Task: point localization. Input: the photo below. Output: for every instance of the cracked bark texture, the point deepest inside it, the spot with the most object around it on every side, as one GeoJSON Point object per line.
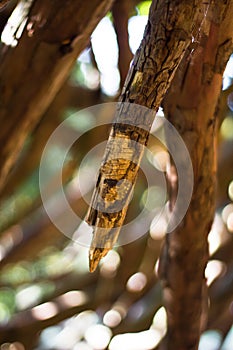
{"type": "Point", "coordinates": [33, 72]}
{"type": "Point", "coordinates": [167, 35]}
{"type": "Point", "coordinates": [190, 106]}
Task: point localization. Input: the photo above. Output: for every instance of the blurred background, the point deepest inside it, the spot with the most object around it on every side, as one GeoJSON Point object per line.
{"type": "Point", "coordinates": [48, 298]}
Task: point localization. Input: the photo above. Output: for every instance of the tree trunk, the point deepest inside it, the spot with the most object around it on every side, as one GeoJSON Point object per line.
{"type": "Point", "coordinates": [190, 106]}
{"type": "Point", "coordinates": [34, 71]}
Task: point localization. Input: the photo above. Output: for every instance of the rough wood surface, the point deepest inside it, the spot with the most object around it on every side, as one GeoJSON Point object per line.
{"type": "Point", "coordinates": [190, 106]}
{"type": "Point", "coordinates": [167, 35]}
{"type": "Point", "coordinates": [34, 71]}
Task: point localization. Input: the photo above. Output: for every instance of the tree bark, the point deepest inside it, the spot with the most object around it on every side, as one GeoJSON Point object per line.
{"type": "Point", "coordinates": [3, 3]}
{"type": "Point", "coordinates": [190, 106]}
{"type": "Point", "coordinates": [34, 71]}
{"type": "Point", "coordinates": [166, 37]}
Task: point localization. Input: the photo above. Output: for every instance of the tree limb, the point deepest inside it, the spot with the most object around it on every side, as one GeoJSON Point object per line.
{"type": "Point", "coordinates": [120, 11]}
{"type": "Point", "coordinates": [166, 37]}
{"type": "Point", "coordinates": [190, 106]}
{"type": "Point", "coordinates": [34, 71]}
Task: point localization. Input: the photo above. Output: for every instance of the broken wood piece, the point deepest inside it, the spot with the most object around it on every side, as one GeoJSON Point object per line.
{"type": "Point", "coordinates": [117, 176]}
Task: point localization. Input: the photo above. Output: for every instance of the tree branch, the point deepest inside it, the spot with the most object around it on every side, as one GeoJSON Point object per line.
{"type": "Point", "coordinates": [120, 11]}
{"type": "Point", "coordinates": [34, 71]}
{"type": "Point", "coordinates": [190, 106]}
{"type": "Point", "coordinates": [166, 37]}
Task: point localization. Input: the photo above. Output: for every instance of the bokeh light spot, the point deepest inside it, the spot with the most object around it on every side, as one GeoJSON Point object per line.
{"type": "Point", "coordinates": [45, 311]}
{"type": "Point", "coordinates": [230, 190]}
{"type": "Point", "coordinates": [112, 318]}
{"type": "Point", "coordinates": [98, 336]}
{"type": "Point", "coordinates": [227, 210]}
{"type": "Point", "coordinates": [136, 282]}
{"type": "Point", "coordinates": [213, 270]}
{"type": "Point", "coordinates": [230, 222]}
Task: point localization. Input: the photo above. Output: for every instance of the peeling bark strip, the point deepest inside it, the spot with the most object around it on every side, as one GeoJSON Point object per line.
{"type": "Point", "coordinates": [166, 37]}
{"type": "Point", "coordinates": [190, 106]}
{"type": "Point", "coordinates": [33, 72]}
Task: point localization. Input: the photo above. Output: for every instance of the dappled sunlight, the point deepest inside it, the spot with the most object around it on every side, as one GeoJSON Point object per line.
{"type": "Point", "coordinates": [28, 297]}
{"type": "Point", "coordinates": [159, 322]}
{"type": "Point", "coordinates": [112, 318]}
{"type": "Point", "coordinates": [73, 298]}
{"type": "Point", "coordinates": [70, 333]}
{"type": "Point", "coordinates": [136, 29]}
{"type": "Point", "coordinates": [137, 282]}
{"type": "Point", "coordinates": [230, 222]}
{"type": "Point", "coordinates": [210, 340]}
{"type": "Point", "coordinates": [158, 157]}
{"type": "Point", "coordinates": [104, 40]}
{"type": "Point", "coordinates": [44, 311]}
{"type": "Point", "coordinates": [216, 235]}
{"type": "Point", "coordinates": [230, 190]}
{"type": "Point", "coordinates": [228, 74]}
{"type": "Point", "coordinates": [153, 198]}
{"type": "Point", "coordinates": [58, 263]}
{"type": "Point", "coordinates": [227, 216]}
{"type": "Point", "coordinates": [16, 273]}
{"type": "Point", "coordinates": [121, 307]}
{"type": "Point", "coordinates": [145, 340]}
{"type": "Point", "coordinates": [98, 336]}
{"type": "Point", "coordinates": [91, 76]}
{"type": "Point", "coordinates": [16, 23]}
{"type": "Point", "coordinates": [110, 264]}
{"type": "Point", "coordinates": [7, 304]}
{"type": "Point", "coordinates": [230, 103]}
{"type": "Point", "coordinates": [226, 129]}
{"type": "Point", "coordinates": [82, 345]}
{"type": "Point", "coordinates": [214, 269]}
{"type": "Point", "coordinates": [49, 300]}
{"type": "Point", "coordinates": [227, 344]}
{"type": "Point", "coordinates": [83, 233]}
{"type": "Point", "coordinates": [156, 268]}
{"type": "Point", "coordinates": [227, 210]}
{"type": "Point", "coordinates": [158, 227]}
{"type": "Point", "coordinates": [9, 239]}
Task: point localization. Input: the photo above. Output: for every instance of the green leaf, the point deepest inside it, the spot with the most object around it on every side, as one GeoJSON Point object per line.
{"type": "Point", "coordinates": [143, 8]}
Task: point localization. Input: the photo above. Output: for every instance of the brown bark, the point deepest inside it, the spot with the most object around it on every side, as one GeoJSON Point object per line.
{"type": "Point", "coordinates": [3, 3]}
{"type": "Point", "coordinates": [190, 106]}
{"type": "Point", "coordinates": [34, 71]}
{"type": "Point", "coordinates": [166, 37]}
